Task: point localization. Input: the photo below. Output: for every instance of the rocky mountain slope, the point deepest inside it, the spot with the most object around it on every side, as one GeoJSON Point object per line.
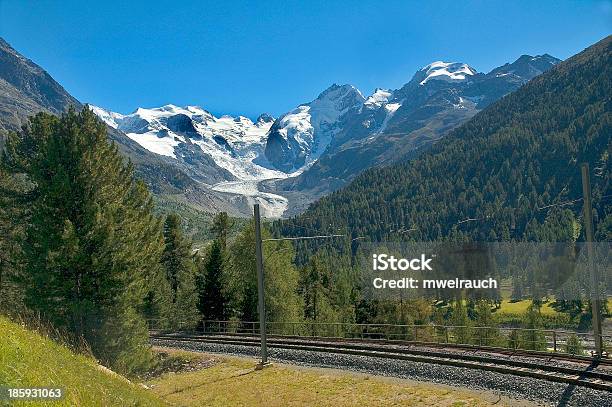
{"type": "Point", "coordinates": [26, 89]}
{"type": "Point", "coordinates": [229, 163]}
{"type": "Point", "coordinates": [299, 137]}
{"type": "Point", "coordinates": [319, 146]}
{"type": "Point", "coordinates": [395, 125]}
{"type": "Point", "coordinates": [512, 172]}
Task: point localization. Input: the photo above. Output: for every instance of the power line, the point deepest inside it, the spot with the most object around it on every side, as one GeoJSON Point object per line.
{"type": "Point", "coordinates": [311, 237]}
{"type": "Point", "coordinates": [472, 220]}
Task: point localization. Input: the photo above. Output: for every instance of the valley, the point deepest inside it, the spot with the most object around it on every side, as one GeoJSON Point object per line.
{"type": "Point", "coordinates": [446, 222]}
{"type": "Point", "coordinates": [226, 163]}
{"type": "Point", "coordinates": [301, 203]}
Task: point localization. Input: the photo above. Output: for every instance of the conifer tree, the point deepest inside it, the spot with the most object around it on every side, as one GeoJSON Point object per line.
{"type": "Point", "coordinates": [220, 228]}
{"type": "Point", "coordinates": [487, 333]}
{"type": "Point", "coordinates": [281, 278]}
{"type": "Point", "coordinates": [327, 288]}
{"type": "Point", "coordinates": [12, 219]}
{"type": "Point", "coordinates": [179, 268]}
{"type": "Point", "coordinates": [213, 299]}
{"type": "Point", "coordinates": [462, 325]}
{"type": "Point", "coordinates": [92, 241]}
{"type": "Point", "coordinates": [211, 296]}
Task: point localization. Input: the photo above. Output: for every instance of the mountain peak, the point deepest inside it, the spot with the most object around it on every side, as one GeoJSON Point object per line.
{"type": "Point", "coordinates": [446, 71]}
{"type": "Point", "coordinates": [378, 98]}
{"type": "Point", "coordinates": [338, 98]}
{"type": "Point", "coordinates": [264, 118]}
{"type": "Point", "coordinates": [338, 91]}
{"type": "Point", "coordinates": [526, 66]}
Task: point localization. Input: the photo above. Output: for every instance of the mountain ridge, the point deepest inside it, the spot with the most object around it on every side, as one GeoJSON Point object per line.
{"type": "Point", "coordinates": [27, 89]}
{"type": "Point", "coordinates": [228, 163]}
{"type": "Point", "coordinates": [398, 124]}
{"type": "Point", "coordinates": [490, 178]}
{"type": "Point", "coordinates": [322, 144]}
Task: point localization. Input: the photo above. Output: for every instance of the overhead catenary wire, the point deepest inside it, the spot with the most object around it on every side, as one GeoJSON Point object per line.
{"type": "Point", "coordinates": [571, 202]}
{"type": "Point", "coordinates": [561, 204]}
{"type": "Point", "coordinates": [301, 238]}
{"type": "Point", "coordinates": [564, 189]}
{"type": "Point", "coordinates": [565, 203]}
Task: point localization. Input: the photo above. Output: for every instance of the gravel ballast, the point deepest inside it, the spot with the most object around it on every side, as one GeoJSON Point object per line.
{"type": "Point", "coordinates": [521, 388]}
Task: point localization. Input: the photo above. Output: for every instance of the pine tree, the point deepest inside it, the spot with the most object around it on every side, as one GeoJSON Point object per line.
{"type": "Point", "coordinates": [221, 227]}
{"type": "Point", "coordinates": [327, 288]}
{"type": "Point", "coordinates": [157, 307]}
{"type": "Point", "coordinates": [12, 218]}
{"type": "Point", "coordinates": [462, 330]}
{"type": "Point", "coordinates": [212, 301]}
{"type": "Point", "coordinates": [179, 268]}
{"type": "Point", "coordinates": [487, 333]}
{"type": "Point", "coordinates": [92, 241]}
{"type": "Point", "coordinates": [281, 278]}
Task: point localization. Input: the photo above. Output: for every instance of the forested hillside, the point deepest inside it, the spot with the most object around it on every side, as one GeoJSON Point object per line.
{"type": "Point", "coordinates": [510, 173]}
{"type": "Point", "coordinates": [83, 249]}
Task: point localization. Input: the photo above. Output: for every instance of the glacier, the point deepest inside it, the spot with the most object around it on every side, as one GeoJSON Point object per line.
{"type": "Point", "coordinates": [238, 156]}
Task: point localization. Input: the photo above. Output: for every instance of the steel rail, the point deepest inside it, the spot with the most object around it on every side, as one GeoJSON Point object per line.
{"type": "Point", "coordinates": [560, 374]}
{"type": "Point", "coordinates": [446, 345]}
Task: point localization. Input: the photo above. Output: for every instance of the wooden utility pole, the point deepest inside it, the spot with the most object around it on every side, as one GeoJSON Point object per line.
{"type": "Point", "coordinates": [260, 289]}
{"type": "Point", "coordinates": [588, 228]}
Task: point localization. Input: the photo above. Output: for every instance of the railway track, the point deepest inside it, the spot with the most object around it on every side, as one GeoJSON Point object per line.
{"type": "Point", "coordinates": [583, 373]}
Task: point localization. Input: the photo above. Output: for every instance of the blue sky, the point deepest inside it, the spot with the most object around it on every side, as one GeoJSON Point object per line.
{"type": "Point", "coordinates": [247, 57]}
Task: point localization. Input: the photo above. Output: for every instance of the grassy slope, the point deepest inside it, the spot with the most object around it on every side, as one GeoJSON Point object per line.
{"type": "Point", "coordinates": [519, 308]}
{"type": "Point", "coordinates": [29, 359]}
{"type": "Point", "coordinates": [234, 382]}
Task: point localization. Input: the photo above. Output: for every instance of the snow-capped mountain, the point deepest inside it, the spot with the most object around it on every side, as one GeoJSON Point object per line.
{"type": "Point", "coordinates": [377, 99]}
{"type": "Point", "coordinates": [526, 66]}
{"type": "Point", "coordinates": [298, 138]}
{"type": "Point", "coordinates": [224, 153]}
{"type": "Point", "coordinates": [446, 71]}
{"type": "Point", "coordinates": [234, 143]}
{"type": "Point", "coordinates": [318, 146]}
{"type": "Point", "coordinates": [393, 125]}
